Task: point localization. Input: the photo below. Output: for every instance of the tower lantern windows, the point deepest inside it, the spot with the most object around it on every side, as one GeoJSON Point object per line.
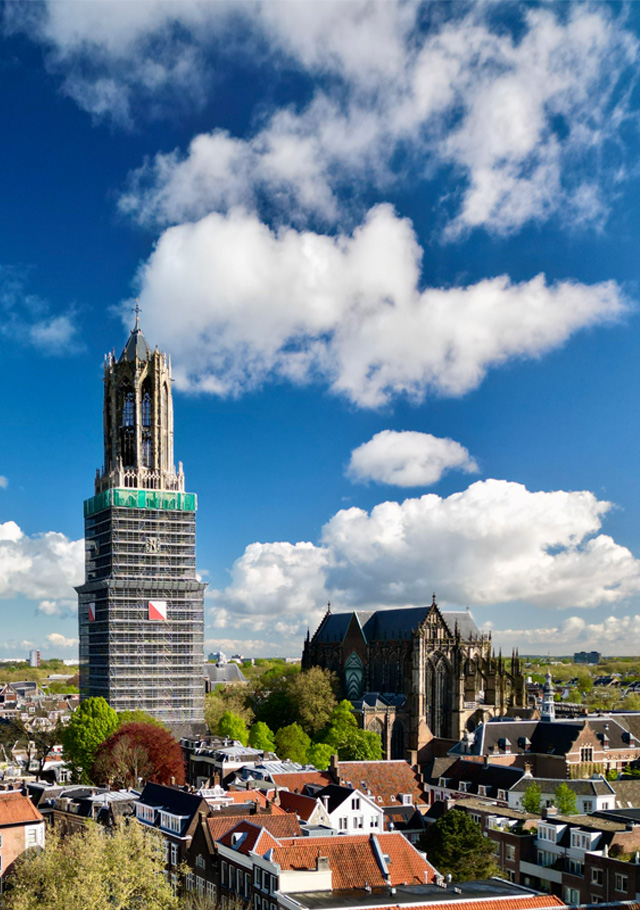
{"type": "Point", "coordinates": [128, 410]}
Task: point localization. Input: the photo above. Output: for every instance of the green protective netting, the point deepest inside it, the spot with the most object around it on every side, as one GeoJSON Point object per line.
{"type": "Point", "coordinates": [141, 499]}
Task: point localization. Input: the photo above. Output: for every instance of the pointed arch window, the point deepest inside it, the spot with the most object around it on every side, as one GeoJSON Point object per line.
{"type": "Point", "coordinates": [128, 410]}
{"type": "Point", "coordinates": [146, 409]}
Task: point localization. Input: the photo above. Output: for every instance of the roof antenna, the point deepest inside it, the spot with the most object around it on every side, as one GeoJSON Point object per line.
{"type": "Point", "coordinates": [328, 606]}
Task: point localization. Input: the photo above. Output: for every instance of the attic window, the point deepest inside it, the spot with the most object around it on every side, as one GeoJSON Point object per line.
{"type": "Point", "coordinates": [407, 799]}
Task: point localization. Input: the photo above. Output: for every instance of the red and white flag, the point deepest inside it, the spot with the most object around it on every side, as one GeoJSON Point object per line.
{"type": "Point", "coordinates": [92, 612]}
{"type": "Point", "coordinates": [157, 609]}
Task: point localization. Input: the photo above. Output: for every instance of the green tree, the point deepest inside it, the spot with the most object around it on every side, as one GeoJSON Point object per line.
{"type": "Point", "coordinates": [292, 743]}
{"type": "Point", "coordinates": [347, 739]}
{"type": "Point", "coordinates": [319, 755]}
{"type": "Point", "coordinates": [455, 845]}
{"type": "Point", "coordinates": [271, 699]}
{"type": "Point", "coordinates": [234, 727]}
{"type": "Point", "coordinates": [231, 698]}
{"type": "Point", "coordinates": [565, 800]}
{"type": "Point", "coordinates": [137, 717]}
{"type": "Point", "coordinates": [261, 737]}
{"type": "Point", "coordinates": [531, 799]}
{"type": "Point", "coordinates": [90, 724]}
{"type": "Point", "coordinates": [117, 871]}
{"type": "Point", "coordinates": [313, 695]}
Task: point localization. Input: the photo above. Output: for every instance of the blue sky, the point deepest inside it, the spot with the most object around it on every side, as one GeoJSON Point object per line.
{"type": "Point", "coordinates": [392, 251]}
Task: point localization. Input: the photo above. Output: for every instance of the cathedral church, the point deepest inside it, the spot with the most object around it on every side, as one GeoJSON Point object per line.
{"type": "Point", "coordinates": [416, 674]}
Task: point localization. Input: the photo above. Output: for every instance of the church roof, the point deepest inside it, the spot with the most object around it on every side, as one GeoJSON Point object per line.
{"type": "Point", "coordinates": [136, 346]}
{"type": "Point", "coordinates": [393, 624]}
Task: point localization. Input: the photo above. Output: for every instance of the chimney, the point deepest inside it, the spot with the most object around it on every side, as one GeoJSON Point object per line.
{"type": "Point", "coordinates": [527, 769]}
{"type": "Point", "coordinates": [325, 801]}
{"type": "Point", "coordinates": [334, 769]}
{"type": "Point", "coordinates": [172, 781]}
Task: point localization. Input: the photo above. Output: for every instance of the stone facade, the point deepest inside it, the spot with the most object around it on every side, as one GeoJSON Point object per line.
{"type": "Point", "coordinates": [415, 674]}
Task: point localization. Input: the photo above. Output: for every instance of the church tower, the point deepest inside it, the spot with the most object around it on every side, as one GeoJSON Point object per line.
{"type": "Point", "coordinates": [141, 607]}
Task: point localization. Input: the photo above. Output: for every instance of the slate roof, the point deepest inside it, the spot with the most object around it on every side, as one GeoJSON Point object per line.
{"type": "Point", "coordinates": [384, 781]}
{"type": "Point", "coordinates": [353, 859]}
{"type": "Point", "coordinates": [136, 346]}
{"type": "Point", "coordinates": [334, 795]}
{"type": "Point", "coordinates": [543, 737]}
{"type": "Point", "coordinates": [16, 809]}
{"type": "Point", "coordinates": [383, 625]}
{"type": "Point", "coordinates": [277, 825]}
{"type": "Point", "coordinates": [627, 793]}
{"type": "Point", "coordinates": [590, 787]}
{"type": "Point", "coordinates": [477, 774]}
{"type": "Point", "coordinates": [172, 800]}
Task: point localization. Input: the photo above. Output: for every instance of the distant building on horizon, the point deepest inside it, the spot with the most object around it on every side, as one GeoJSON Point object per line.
{"type": "Point", "coordinates": [34, 658]}
{"type": "Point", "coordinates": [587, 657]}
{"type": "Point", "coordinates": [141, 607]}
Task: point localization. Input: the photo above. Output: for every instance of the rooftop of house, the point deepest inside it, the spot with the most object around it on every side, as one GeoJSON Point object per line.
{"type": "Point", "coordinates": [493, 894]}
{"type": "Point", "coordinates": [277, 825]}
{"type": "Point", "coordinates": [385, 781]}
{"type": "Point", "coordinates": [298, 804]}
{"type": "Point", "coordinates": [297, 781]}
{"type": "Point", "coordinates": [174, 801]}
{"type": "Point", "coordinates": [359, 860]}
{"type": "Point", "coordinates": [334, 795]}
{"type": "Point", "coordinates": [17, 809]}
{"type": "Point", "coordinates": [248, 837]}
{"type": "Point", "coordinates": [597, 786]}
{"type": "Point", "coordinates": [394, 625]}
{"type": "Point", "coordinates": [479, 778]}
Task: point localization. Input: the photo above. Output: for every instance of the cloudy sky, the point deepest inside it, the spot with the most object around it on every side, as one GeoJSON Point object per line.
{"type": "Point", "coordinates": [392, 249]}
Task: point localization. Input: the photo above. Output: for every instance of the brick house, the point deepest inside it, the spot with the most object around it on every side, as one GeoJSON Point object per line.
{"type": "Point", "coordinates": [21, 828]}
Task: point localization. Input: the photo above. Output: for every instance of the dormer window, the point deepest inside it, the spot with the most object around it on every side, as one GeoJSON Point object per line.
{"type": "Point", "coordinates": [407, 799]}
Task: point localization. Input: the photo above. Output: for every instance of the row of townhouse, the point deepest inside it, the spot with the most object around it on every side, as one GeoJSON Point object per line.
{"type": "Point", "coordinates": [458, 778]}
{"type": "Point", "coordinates": [581, 859]}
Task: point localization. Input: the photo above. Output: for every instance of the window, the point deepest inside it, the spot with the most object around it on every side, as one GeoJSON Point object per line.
{"type": "Point", "coordinates": [174, 882]}
{"type": "Point", "coordinates": [165, 850]}
{"type": "Point", "coordinates": [223, 873]}
{"type": "Point", "coordinates": [572, 895]}
{"type": "Point", "coordinates": [128, 410]}
{"type": "Point", "coordinates": [190, 881]}
{"type": "Point", "coordinates": [586, 753]}
{"type": "Point", "coordinates": [407, 799]}
{"type": "Point", "coordinates": [482, 790]}
{"type": "Point", "coordinates": [355, 804]}
{"type": "Point", "coordinates": [256, 903]}
{"type": "Point", "coordinates": [374, 821]}
{"type": "Point", "coordinates": [32, 837]}
{"type": "Point", "coordinates": [462, 786]}
{"type": "Point", "coordinates": [358, 821]}
{"type": "Point", "coordinates": [502, 794]}
{"type": "Point", "coordinates": [587, 805]}
{"type": "Point", "coordinates": [621, 882]}
{"type": "Point", "coordinates": [232, 877]}
{"type": "Point", "coordinates": [247, 884]}
{"type": "Point", "coordinates": [256, 877]}
{"type": "Point", "coordinates": [174, 854]}
{"type": "Point", "coordinates": [265, 881]}
{"type": "Point", "coordinates": [146, 410]}
{"type": "Point", "coordinates": [510, 852]}
{"type": "Point", "coordinates": [575, 867]}
{"type": "Point", "coordinates": [342, 824]}
{"type": "Point", "coordinates": [274, 884]}
{"type": "Point", "coordinates": [597, 876]}
{"type": "Point", "coordinates": [200, 863]}
{"type": "Point", "coordinates": [211, 891]}
{"type": "Point", "coordinates": [200, 885]}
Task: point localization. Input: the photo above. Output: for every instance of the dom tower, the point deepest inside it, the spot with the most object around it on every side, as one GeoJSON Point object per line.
{"type": "Point", "coordinates": [141, 607]}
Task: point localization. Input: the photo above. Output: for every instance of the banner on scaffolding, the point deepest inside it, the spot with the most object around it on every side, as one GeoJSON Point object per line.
{"type": "Point", "coordinates": [92, 612]}
{"type": "Point", "coordinates": [157, 609]}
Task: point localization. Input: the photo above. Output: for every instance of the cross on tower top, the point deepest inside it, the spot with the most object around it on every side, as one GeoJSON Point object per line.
{"type": "Point", "coordinates": [137, 311]}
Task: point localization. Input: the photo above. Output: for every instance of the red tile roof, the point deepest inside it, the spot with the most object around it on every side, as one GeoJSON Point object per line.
{"type": "Point", "coordinates": [512, 902]}
{"type": "Point", "coordinates": [386, 779]}
{"type": "Point", "coordinates": [279, 825]}
{"type": "Point", "coordinates": [252, 839]}
{"type": "Point", "coordinates": [296, 780]}
{"type": "Point", "coordinates": [353, 861]}
{"type": "Point", "coordinates": [302, 806]}
{"type": "Point", "coordinates": [16, 809]}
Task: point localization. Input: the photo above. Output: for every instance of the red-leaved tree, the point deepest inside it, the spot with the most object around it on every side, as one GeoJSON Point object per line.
{"type": "Point", "coordinates": [137, 753]}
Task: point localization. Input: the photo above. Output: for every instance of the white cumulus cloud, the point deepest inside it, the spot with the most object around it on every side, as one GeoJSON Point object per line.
{"type": "Point", "coordinates": [61, 641]}
{"type": "Point", "coordinates": [494, 543]}
{"type": "Point", "coordinates": [239, 303]}
{"type": "Point", "coordinates": [42, 567]}
{"type": "Point", "coordinates": [408, 459]}
{"type": "Point", "coordinates": [612, 635]}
